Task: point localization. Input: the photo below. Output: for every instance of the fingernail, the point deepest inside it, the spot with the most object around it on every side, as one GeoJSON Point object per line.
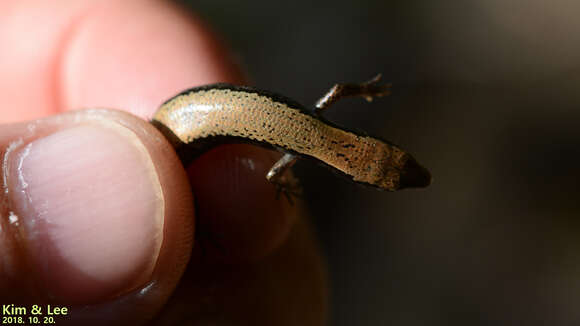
{"type": "Point", "coordinates": [91, 207]}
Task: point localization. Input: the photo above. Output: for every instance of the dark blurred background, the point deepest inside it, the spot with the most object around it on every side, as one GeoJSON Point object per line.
{"type": "Point", "coordinates": [486, 95]}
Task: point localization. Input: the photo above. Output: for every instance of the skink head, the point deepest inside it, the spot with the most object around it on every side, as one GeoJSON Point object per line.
{"type": "Point", "coordinates": [396, 170]}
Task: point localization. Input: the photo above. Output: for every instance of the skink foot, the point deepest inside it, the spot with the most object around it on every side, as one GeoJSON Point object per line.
{"type": "Point", "coordinates": [368, 90]}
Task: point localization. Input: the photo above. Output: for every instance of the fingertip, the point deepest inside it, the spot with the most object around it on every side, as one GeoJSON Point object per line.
{"type": "Point", "coordinates": [133, 55]}
{"type": "Point", "coordinates": [94, 224]}
{"type": "Point", "coordinates": [113, 217]}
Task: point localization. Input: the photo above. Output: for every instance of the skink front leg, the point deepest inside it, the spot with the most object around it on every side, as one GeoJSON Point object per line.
{"type": "Point", "coordinates": [368, 90]}
{"type": "Point", "coordinates": [285, 183]}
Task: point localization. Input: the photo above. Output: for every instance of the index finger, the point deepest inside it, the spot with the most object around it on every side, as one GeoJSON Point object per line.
{"type": "Point", "coordinates": [91, 54]}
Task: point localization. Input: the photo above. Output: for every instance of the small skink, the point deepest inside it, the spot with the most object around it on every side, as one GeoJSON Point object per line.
{"type": "Point", "coordinates": [200, 118]}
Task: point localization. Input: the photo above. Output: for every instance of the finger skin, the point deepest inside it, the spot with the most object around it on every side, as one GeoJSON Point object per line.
{"type": "Point", "coordinates": [131, 55]}
{"type": "Point", "coordinates": [30, 56]}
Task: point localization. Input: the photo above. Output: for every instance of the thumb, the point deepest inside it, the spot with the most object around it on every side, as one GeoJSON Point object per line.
{"type": "Point", "coordinates": [95, 213]}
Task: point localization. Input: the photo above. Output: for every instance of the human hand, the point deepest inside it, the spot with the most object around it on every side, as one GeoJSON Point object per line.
{"type": "Point", "coordinates": [97, 214]}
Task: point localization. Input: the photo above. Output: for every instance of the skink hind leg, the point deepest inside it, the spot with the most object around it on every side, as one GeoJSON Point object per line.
{"type": "Point", "coordinates": [278, 169]}
{"type": "Point", "coordinates": [368, 90]}
{"type": "Point", "coordinates": [285, 183]}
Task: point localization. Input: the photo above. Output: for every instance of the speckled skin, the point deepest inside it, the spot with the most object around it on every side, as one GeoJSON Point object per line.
{"type": "Point", "coordinates": [223, 110]}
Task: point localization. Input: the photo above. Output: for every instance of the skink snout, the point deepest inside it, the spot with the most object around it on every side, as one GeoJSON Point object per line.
{"type": "Point", "coordinates": [414, 175]}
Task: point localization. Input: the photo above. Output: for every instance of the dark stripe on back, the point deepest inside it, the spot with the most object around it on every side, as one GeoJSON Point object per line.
{"type": "Point", "coordinates": [248, 89]}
